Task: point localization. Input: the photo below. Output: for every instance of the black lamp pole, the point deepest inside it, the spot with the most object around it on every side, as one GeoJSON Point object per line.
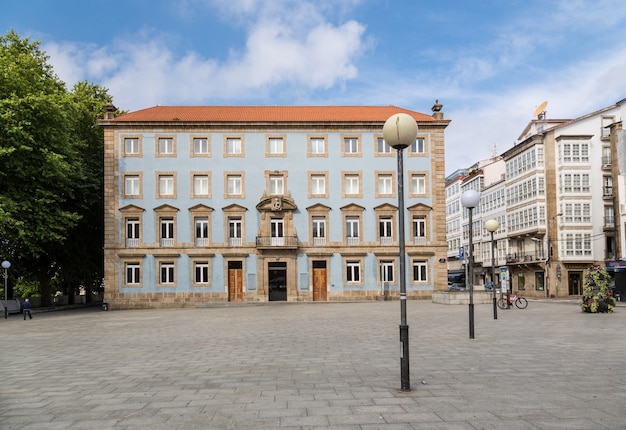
{"type": "Point", "coordinates": [399, 132]}
{"type": "Point", "coordinates": [470, 200]}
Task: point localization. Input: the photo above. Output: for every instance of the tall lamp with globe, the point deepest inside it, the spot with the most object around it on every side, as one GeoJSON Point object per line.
{"type": "Point", "coordinates": [469, 200]}
{"type": "Point", "coordinates": [399, 132]}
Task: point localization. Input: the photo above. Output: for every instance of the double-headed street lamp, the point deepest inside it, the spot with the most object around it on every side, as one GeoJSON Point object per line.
{"type": "Point", "coordinates": [492, 225]}
{"type": "Point", "coordinates": [469, 200]}
{"type": "Point", "coordinates": [6, 265]}
{"type": "Point", "coordinates": [400, 131]}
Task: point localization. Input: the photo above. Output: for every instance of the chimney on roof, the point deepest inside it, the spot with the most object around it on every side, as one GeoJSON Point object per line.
{"type": "Point", "coordinates": [437, 114]}
{"type": "Point", "coordinates": [110, 110]}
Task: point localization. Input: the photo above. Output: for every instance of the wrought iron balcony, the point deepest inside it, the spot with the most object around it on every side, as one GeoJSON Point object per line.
{"type": "Point", "coordinates": [271, 242]}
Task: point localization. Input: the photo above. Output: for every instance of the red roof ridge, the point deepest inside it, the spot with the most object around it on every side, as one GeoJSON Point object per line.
{"type": "Point", "coordinates": [268, 113]}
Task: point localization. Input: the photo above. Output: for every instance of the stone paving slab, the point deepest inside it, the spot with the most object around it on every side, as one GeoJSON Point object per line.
{"type": "Point", "coordinates": [314, 366]}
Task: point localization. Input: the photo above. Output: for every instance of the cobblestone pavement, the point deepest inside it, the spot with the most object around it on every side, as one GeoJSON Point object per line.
{"type": "Point", "coordinates": [314, 366]}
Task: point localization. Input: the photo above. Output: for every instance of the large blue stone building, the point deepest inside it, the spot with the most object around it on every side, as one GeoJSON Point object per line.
{"type": "Point", "coordinates": [241, 203]}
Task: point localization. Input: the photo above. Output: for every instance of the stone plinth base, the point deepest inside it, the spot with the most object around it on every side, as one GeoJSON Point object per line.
{"type": "Point", "coordinates": [461, 297]}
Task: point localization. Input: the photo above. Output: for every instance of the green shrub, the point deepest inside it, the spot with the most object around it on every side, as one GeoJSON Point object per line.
{"type": "Point", "coordinates": [25, 288]}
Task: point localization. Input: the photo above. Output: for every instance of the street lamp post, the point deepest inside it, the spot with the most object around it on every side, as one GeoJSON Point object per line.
{"type": "Point", "coordinates": [399, 132]}
{"type": "Point", "coordinates": [5, 266]}
{"type": "Point", "coordinates": [492, 225]}
{"type": "Point", "coordinates": [469, 200]}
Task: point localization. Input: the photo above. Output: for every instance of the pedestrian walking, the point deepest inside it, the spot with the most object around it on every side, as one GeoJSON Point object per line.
{"type": "Point", "coordinates": [26, 309]}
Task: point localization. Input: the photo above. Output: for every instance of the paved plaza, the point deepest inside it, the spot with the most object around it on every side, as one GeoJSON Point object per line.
{"type": "Point", "coordinates": [314, 366]}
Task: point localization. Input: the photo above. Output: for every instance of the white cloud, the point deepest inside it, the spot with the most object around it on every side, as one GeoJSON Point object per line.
{"type": "Point", "coordinates": [289, 44]}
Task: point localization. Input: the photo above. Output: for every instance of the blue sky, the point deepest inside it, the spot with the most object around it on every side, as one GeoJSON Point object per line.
{"type": "Point", "coordinates": [489, 62]}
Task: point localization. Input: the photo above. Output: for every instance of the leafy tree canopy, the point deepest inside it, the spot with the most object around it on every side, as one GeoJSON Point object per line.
{"type": "Point", "coordinates": [50, 164]}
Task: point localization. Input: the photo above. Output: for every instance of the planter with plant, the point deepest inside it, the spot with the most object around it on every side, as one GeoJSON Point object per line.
{"type": "Point", "coordinates": [597, 295]}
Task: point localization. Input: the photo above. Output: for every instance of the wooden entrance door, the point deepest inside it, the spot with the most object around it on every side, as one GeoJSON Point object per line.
{"type": "Point", "coordinates": [320, 292]}
{"type": "Point", "coordinates": [235, 281]}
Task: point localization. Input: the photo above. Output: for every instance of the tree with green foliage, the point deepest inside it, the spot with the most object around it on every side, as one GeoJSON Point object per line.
{"type": "Point", "coordinates": [50, 170]}
{"type": "Point", "coordinates": [597, 295]}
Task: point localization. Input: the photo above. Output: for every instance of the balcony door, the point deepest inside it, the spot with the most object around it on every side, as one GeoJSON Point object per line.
{"type": "Point", "coordinates": [277, 232]}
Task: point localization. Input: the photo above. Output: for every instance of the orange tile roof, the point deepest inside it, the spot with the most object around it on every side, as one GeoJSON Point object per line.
{"type": "Point", "coordinates": [268, 114]}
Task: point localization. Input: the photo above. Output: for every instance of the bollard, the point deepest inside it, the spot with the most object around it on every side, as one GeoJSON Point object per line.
{"type": "Point", "coordinates": [105, 306]}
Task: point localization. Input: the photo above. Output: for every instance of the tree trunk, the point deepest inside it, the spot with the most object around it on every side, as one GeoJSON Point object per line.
{"type": "Point", "coordinates": [44, 289]}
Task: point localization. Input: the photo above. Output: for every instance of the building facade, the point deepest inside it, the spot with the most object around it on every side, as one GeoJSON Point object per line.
{"type": "Point", "coordinates": [237, 203]}
{"type": "Point", "coordinates": [560, 205]}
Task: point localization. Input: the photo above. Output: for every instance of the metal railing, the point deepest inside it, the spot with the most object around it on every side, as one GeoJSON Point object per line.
{"type": "Point", "coordinates": [132, 243]}
{"type": "Point", "coordinates": [167, 243]}
{"type": "Point", "coordinates": [386, 241]}
{"type": "Point", "coordinates": [202, 241]}
{"type": "Point", "coordinates": [277, 242]}
{"type": "Point", "coordinates": [319, 241]}
{"type": "Point", "coordinates": [234, 241]}
{"type": "Point", "coordinates": [352, 241]}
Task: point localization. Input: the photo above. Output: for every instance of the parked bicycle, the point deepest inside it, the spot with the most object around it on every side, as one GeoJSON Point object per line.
{"type": "Point", "coordinates": [514, 299]}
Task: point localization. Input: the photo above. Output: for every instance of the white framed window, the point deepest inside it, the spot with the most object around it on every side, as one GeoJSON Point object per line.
{"type": "Point", "coordinates": [418, 184]}
{"type": "Point", "coordinates": [166, 269]}
{"type": "Point", "coordinates": [575, 182]}
{"type": "Point", "coordinates": [200, 146]}
{"type": "Point", "coordinates": [131, 146]}
{"type": "Point", "coordinates": [235, 185]}
{"type": "Point", "coordinates": [277, 185]}
{"type": "Point", "coordinates": [606, 156]}
{"type": "Point", "coordinates": [385, 231]}
{"type": "Point", "coordinates": [386, 272]}
{"type": "Point", "coordinates": [609, 216]}
{"type": "Point", "coordinates": [132, 186]}
{"type": "Point", "coordinates": [318, 230]}
{"type": "Point", "coordinates": [200, 185]}
{"type": "Point", "coordinates": [575, 152]}
{"type": "Point", "coordinates": [419, 230]}
{"type": "Point", "coordinates": [317, 146]}
{"type": "Point", "coordinates": [607, 184]}
{"type": "Point", "coordinates": [318, 185]}
{"type": "Point", "coordinates": [201, 272]}
{"type": "Point", "coordinates": [234, 146]}
{"type": "Point", "coordinates": [418, 146]}
{"type": "Point", "coordinates": [235, 227]}
{"type": "Point", "coordinates": [133, 273]}
{"type": "Point", "coordinates": [420, 271]}
{"type": "Point", "coordinates": [166, 146]}
{"type": "Point", "coordinates": [353, 271]}
{"type": "Point", "coordinates": [167, 231]}
{"type": "Point", "coordinates": [578, 245]}
{"type": "Point", "coordinates": [277, 232]}
{"type": "Point", "coordinates": [166, 185]}
{"type": "Point", "coordinates": [352, 230]}
{"type": "Point", "coordinates": [385, 186]}
{"type": "Point", "coordinates": [202, 231]}
{"type": "Point", "coordinates": [132, 232]}
{"type": "Point", "coordinates": [276, 146]}
{"type": "Point", "coordinates": [350, 145]}
{"type": "Point", "coordinates": [351, 184]}
{"type": "Point", "coordinates": [382, 147]}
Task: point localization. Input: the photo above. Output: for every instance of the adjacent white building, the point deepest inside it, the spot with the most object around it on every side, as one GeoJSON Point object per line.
{"type": "Point", "coordinates": [555, 201]}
